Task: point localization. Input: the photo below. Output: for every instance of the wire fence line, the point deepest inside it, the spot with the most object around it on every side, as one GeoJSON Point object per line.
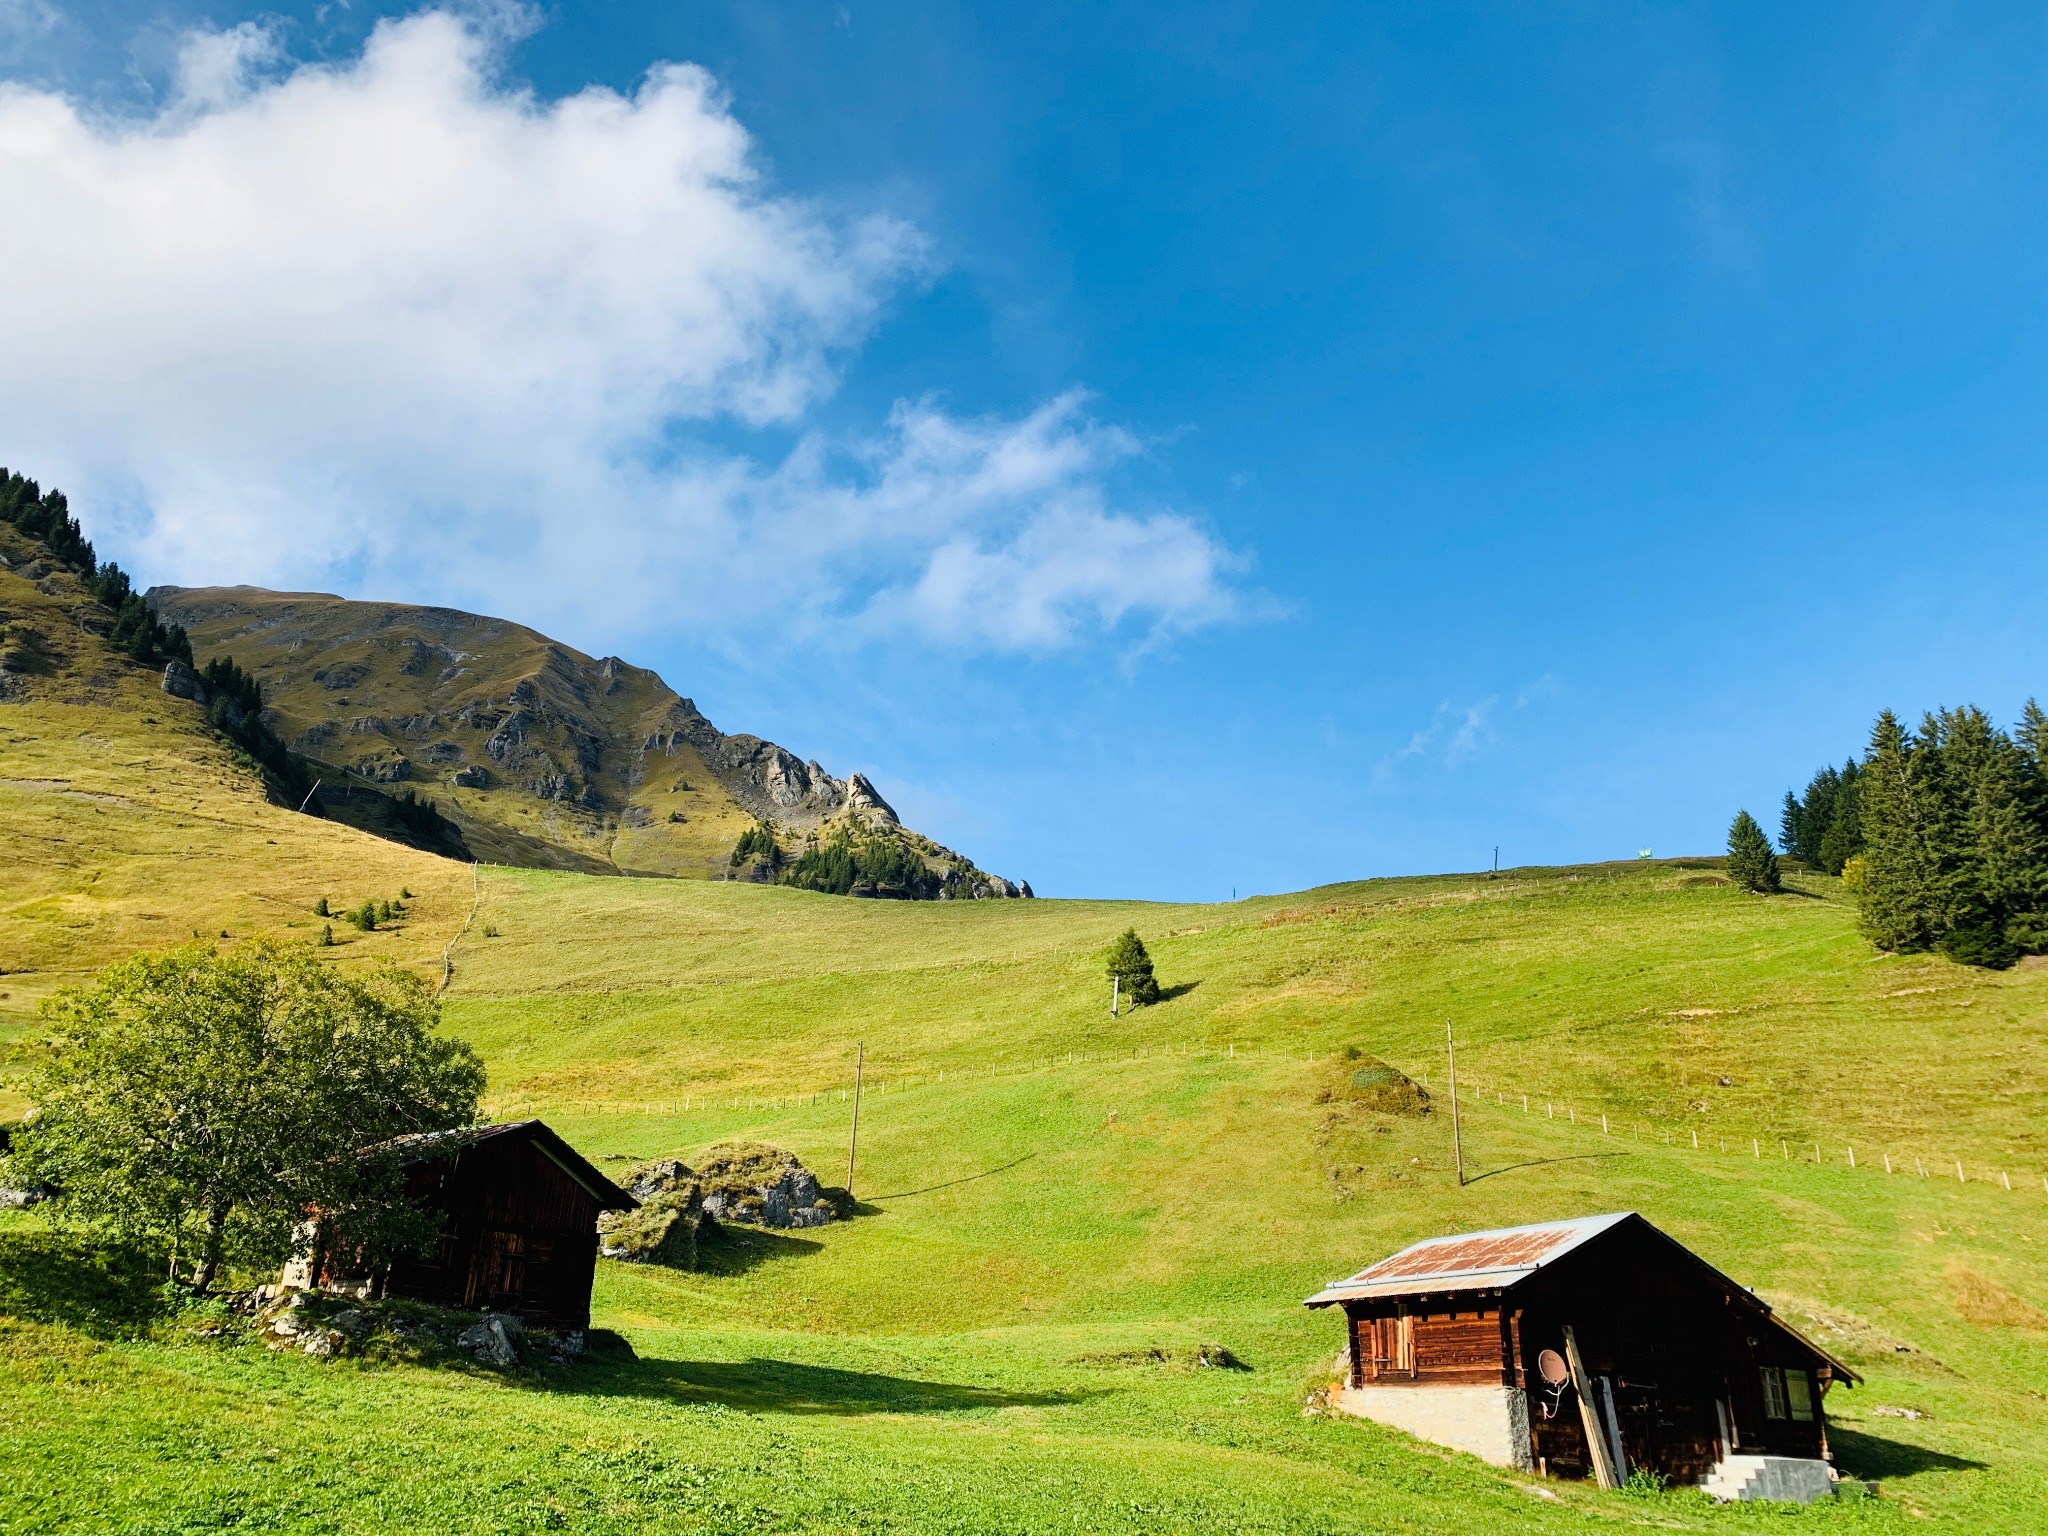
{"type": "Point", "coordinates": [1753, 1147]}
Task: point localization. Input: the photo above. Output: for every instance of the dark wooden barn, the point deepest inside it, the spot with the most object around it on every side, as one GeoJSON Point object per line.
{"type": "Point", "coordinates": [518, 1208]}
{"type": "Point", "coordinates": [1588, 1348]}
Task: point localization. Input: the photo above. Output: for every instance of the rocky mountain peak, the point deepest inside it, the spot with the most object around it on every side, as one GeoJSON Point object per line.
{"type": "Point", "coordinates": [540, 754]}
{"type": "Point", "coordinates": [863, 796]}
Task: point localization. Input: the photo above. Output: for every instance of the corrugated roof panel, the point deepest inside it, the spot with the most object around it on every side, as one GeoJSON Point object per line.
{"type": "Point", "coordinates": [1467, 1255]}
{"type": "Point", "coordinates": [1470, 1260]}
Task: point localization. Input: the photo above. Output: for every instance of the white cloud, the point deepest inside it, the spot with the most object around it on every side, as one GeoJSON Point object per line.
{"type": "Point", "coordinates": [399, 324]}
{"type": "Point", "coordinates": [1456, 733]}
{"type": "Point", "coordinates": [217, 69]}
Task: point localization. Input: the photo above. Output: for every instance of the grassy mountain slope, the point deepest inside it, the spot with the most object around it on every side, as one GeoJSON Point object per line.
{"type": "Point", "coordinates": [125, 823]}
{"type": "Point", "coordinates": [543, 756]}
{"type": "Point", "coordinates": [1053, 1194]}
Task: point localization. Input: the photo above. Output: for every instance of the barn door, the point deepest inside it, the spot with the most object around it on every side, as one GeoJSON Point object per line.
{"type": "Point", "coordinates": [497, 1276]}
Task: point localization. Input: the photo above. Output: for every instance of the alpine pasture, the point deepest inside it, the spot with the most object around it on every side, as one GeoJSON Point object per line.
{"type": "Point", "coordinates": [1059, 1210]}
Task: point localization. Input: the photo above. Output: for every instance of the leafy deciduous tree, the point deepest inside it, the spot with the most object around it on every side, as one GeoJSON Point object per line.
{"type": "Point", "coordinates": [208, 1102]}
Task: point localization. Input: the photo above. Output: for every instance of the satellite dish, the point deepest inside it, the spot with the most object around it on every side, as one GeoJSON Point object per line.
{"type": "Point", "coordinates": [1551, 1367]}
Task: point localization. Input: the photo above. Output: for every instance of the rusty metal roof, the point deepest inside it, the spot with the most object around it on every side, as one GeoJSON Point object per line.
{"type": "Point", "coordinates": [1469, 1261]}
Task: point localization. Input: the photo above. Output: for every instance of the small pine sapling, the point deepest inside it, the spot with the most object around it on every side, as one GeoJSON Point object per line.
{"type": "Point", "coordinates": [1751, 864]}
{"type": "Point", "coordinates": [1130, 966]}
{"type": "Point", "coordinates": [320, 907]}
{"type": "Point", "coordinates": [327, 935]}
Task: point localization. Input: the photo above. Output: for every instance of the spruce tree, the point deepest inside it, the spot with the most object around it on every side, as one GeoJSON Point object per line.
{"type": "Point", "coordinates": [1898, 897]}
{"type": "Point", "coordinates": [2032, 739]}
{"type": "Point", "coordinates": [2002, 864]}
{"type": "Point", "coordinates": [1842, 839]}
{"type": "Point", "coordinates": [1751, 864]}
{"type": "Point", "coordinates": [1128, 964]}
{"type": "Point", "coordinates": [1805, 821]}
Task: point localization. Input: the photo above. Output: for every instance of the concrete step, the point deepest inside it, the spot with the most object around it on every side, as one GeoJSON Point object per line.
{"type": "Point", "coordinates": [1789, 1479]}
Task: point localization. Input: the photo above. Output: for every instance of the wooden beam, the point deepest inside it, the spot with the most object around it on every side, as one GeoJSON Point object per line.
{"type": "Point", "coordinates": [1589, 1413]}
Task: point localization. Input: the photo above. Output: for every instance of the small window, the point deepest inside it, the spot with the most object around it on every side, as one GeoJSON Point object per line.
{"type": "Point", "coordinates": [1774, 1392]}
{"type": "Point", "coordinates": [1799, 1393]}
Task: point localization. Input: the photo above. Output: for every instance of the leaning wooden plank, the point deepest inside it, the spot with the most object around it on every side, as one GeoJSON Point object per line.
{"type": "Point", "coordinates": [1596, 1435]}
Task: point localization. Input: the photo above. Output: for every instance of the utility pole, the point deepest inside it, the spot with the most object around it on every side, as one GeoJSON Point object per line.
{"type": "Point", "coordinates": [860, 1052]}
{"type": "Point", "coordinates": [1457, 1145]}
{"type": "Point", "coordinates": [1116, 984]}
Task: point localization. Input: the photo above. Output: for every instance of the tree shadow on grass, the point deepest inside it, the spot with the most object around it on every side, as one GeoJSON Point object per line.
{"type": "Point", "coordinates": [784, 1386]}
{"type": "Point", "coordinates": [102, 1289]}
{"type": "Point", "coordinates": [1178, 989]}
{"type": "Point", "coordinates": [1872, 1456]}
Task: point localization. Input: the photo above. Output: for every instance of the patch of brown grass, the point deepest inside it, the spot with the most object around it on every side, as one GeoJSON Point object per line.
{"type": "Point", "coordinates": [1988, 1304]}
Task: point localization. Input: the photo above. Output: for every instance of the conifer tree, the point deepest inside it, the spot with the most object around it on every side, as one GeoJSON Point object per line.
{"type": "Point", "coordinates": [1902, 874]}
{"type": "Point", "coordinates": [1806, 821]}
{"type": "Point", "coordinates": [1790, 828]}
{"type": "Point", "coordinates": [2002, 865]}
{"type": "Point", "coordinates": [2031, 738]}
{"type": "Point", "coordinates": [1128, 963]}
{"type": "Point", "coordinates": [1751, 864]}
{"type": "Point", "coordinates": [1842, 839]}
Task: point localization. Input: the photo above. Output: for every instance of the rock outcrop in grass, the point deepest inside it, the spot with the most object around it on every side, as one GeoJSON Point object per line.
{"type": "Point", "coordinates": [1365, 1082]}
{"type": "Point", "coordinates": [763, 1186]}
{"type": "Point", "coordinates": [743, 1182]}
{"type": "Point", "coordinates": [664, 1229]}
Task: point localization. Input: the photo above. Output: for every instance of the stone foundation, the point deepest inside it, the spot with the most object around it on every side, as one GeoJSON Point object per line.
{"type": "Point", "coordinates": [1490, 1422]}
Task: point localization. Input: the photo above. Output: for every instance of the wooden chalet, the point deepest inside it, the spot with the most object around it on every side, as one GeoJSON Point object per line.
{"type": "Point", "coordinates": [1587, 1348]}
{"type": "Point", "coordinates": [518, 1208]}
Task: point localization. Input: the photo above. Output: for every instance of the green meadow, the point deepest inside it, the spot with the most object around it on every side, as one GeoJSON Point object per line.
{"type": "Point", "coordinates": [1059, 1208]}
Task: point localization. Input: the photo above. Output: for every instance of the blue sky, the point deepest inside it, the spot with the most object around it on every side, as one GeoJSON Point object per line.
{"type": "Point", "coordinates": [1171, 449]}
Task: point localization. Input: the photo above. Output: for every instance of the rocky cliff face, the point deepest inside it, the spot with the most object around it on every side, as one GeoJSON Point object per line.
{"type": "Point", "coordinates": [540, 754]}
